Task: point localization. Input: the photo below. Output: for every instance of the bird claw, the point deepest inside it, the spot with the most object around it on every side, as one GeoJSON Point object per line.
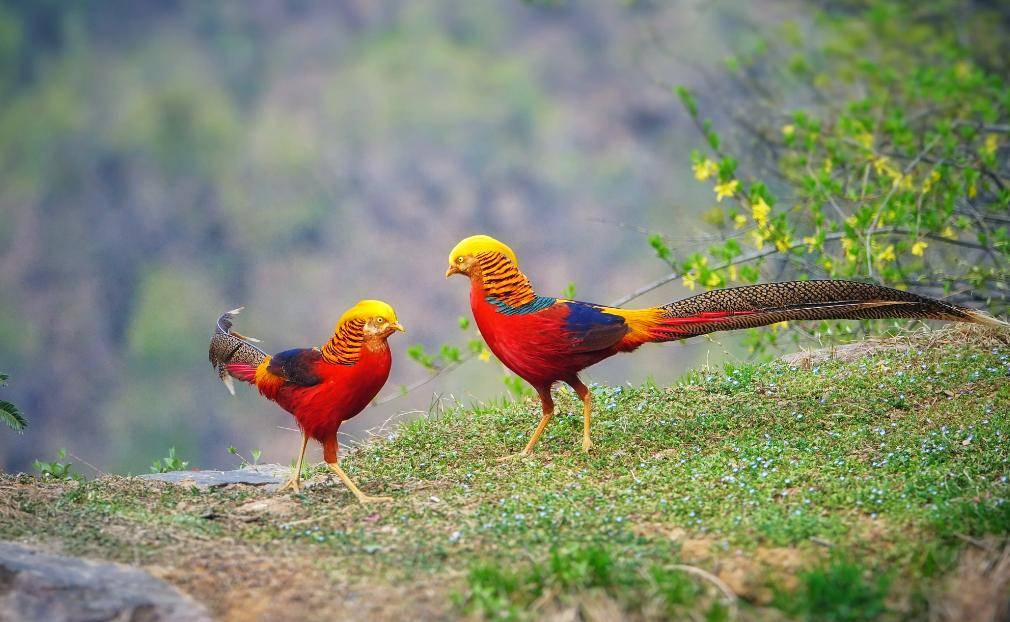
{"type": "Point", "coordinates": [292, 484]}
{"type": "Point", "coordinates": [586, 445]}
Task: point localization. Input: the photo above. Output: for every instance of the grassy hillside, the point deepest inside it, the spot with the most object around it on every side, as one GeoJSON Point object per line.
{"type": "Point", "coordinates": [816, 489]}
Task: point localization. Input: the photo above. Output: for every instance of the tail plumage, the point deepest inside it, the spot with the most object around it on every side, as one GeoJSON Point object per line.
{"type": "Point", "coordinates": [231, 353]}
{"type": "Point", "coordinates": [760, 305]}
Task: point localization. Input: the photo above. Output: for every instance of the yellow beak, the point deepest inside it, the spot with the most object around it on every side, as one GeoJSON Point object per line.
{"type": "Point", "coordinates": [398, 326]}
{"type": "Point", "coordinates": [451, 271]}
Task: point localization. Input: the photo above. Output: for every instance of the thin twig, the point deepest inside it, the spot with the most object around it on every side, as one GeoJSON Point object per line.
{"type": "Point", "coordinates": [731, 599]}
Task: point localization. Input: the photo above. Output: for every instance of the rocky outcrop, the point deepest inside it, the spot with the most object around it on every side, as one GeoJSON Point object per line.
{"type": "Point", "coordinates": [39, 586]}
{"type": "Point", "coordinates": [253, 475]}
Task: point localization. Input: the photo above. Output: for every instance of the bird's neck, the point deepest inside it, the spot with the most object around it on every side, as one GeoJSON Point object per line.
{"type": "Point", "coordinates": [501, 279]}
{"type": "Point", "coordinates": [344, 347]}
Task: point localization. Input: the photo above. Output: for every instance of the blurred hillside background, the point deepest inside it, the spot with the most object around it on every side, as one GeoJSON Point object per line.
{"type": "Point", "coordinates": [161, 162]}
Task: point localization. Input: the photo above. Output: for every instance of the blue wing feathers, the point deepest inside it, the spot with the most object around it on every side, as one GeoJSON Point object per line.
{"type": "Point", "coordinates": [592, 328]}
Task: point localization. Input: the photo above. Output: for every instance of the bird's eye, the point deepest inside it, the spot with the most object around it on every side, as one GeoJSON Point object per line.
{"type": "Point", "coordinates": [459, 259]}
{"type": "Point", "coordinates": [380, 320]}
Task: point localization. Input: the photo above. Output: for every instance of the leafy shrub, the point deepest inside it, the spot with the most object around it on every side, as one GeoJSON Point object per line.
{"type": "Point", "coordinates": [171, 462]}
{"type": "Point", "coordinates": [57, 469]}
{"type": "Point", "coordinates": [890, 162]}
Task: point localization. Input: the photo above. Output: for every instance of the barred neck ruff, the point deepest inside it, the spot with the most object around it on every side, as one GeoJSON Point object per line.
{"type": "Point", "coordinates": [503, 281]}
{"type": "Point", "coordinates": [344, 347]}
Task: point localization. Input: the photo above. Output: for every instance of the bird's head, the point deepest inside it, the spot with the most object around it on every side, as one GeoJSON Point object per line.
{"type": "Point", "coordinates": [377, 317]}
{"type": "Point", "coordinates": [463, 257]}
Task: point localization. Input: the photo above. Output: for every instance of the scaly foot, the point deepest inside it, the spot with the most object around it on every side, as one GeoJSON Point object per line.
{"type": "Point", "coordinates": [586, 444]}
{"type": "Point", "coordinates": [294, 484]}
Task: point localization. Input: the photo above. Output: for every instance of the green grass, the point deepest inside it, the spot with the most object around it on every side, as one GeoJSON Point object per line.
{"type": "Point", "coordinates": [841, 492]}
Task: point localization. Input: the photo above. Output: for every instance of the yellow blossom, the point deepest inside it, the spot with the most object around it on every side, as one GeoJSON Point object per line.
{"type": "Point", "coordinates": [689, 280]}
{"type": "Point", "coordinates": [972, 190]}
{"type": "Point", "coordinates": [928, 184]}
{"type": "Point", "coordinates": [777, 326]}
{"type": "Point", "coordinates": [865, 139]}
{"type": "Point", "coordinates": [849, 246]}
{"type": "Point", "coordinates": [991, 143]}
{"type": "Point", "coordinates": [705, 169]}
{"type": "Point", "coordinates": [484, 355]}
{"type": "Point", "coordinates": [713, 280]}
{"type": "Point", "coordinates": [918, 247]}
{"type": "Point", "coordinates": [788, 130]}
{"type": "Point", "coordinates": [811, 243]}
{"type": "Point", "coordinates": [882, 165]}
{"type": "Point", "coordinates": [949, 233]}
{"type": "Point", "coordinates": [732, 273]}
{"type": "Point", "coordinates": [783, 244]}
{"type": "Point", "coordinates": [726, 189]}
{"type": "Point", "coordinates": [739, 221]}
{"type": "Point", "coordinates": [887, 254]}
{"type": "Point", "coordinates": [758, 237]}
{"type": "Point", "coordinates": [760, 211]}
{"type": "Point", "coordinates": [851, 221]}
{"type": "Point", "coordinates": [828, 165]}
{"type": "Point", "coordinates": [828, 264]}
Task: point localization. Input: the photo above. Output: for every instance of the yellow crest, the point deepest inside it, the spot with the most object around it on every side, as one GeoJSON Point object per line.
{"type": "Point", "coordinates": [365, 310]}
{"type": "Point", "coordinates": [481, 244]}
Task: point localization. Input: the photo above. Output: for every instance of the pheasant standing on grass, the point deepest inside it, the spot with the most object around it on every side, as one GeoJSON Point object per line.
{"type": "Point", "coordinates": [547, 340]}
{"type": "Point", "coordinates": [321, 387]}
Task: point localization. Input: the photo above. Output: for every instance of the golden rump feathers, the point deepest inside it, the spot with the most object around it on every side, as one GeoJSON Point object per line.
{"type": "Point", "coordinates": [476, 244]}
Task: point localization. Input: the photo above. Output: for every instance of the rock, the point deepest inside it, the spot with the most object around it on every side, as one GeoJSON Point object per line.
{"type": "Point", "coordinates": [39, 586]}
{"type": "Point", "coordinates": [252, 475]}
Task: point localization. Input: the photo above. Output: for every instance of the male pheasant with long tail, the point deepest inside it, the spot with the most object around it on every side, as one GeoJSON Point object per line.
{"type": "Point", "coordinates": [322, 387]}
{"type": "Point", "coordinates": [547, 340]}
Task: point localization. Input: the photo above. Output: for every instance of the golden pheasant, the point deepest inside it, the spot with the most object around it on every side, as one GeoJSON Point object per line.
{"type": "Point", "coordinates": [548, 340]}
{"type": "Point", "coordinates": [321, 387]}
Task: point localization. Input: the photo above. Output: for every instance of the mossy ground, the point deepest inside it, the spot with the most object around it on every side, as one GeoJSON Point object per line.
{"type": "Point", "coordinates": [840, 490]}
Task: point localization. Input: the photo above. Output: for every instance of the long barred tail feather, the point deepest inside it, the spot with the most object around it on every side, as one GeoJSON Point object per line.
{"type": "Point", "coordinates": [760, 305]}
{"type": "Point", "coordinates": [231, 353]}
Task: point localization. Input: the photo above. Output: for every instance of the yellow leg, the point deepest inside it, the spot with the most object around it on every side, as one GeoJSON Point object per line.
{"type": "Point", "coordinates": [536, 433]}
{"type": "Point", "coordinates": [362, 497]}
{"type": "Point", "coordinates": [587, 415]}
{"type": "Point", "coordinates": [587, 412]}
{"type": "Point", "coordinates": [295, 483]}
{"type": "Point", "coordinates": [547, 405]}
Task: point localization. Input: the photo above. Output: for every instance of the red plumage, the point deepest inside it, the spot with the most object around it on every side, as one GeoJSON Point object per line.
{"type": "Point", "coordinates": [546, 340]}
{"type": "Point", "coordinates": [321, 387]}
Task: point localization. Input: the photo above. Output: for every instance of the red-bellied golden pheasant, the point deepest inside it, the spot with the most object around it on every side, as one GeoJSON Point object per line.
{"type": "Point", "coordinates": [322, 387]}
{"type": "Point", "coordinates": [547, 340]}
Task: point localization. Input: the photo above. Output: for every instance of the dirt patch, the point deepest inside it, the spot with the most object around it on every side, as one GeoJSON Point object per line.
{"type": "Point", "coordinates": [977, 590]}
{"type": "Point", "coordinates": [275, 506]}
{"type": "Point", "coordinates": [749, 574]}
{"type": "Point", "coordinates": [241, 583]}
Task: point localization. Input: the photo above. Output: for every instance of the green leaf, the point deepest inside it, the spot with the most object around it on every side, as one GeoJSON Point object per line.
{"type": "Point", "coordinates": [11, 416]}
{"type": "Point", "coordinates": [687, 99]}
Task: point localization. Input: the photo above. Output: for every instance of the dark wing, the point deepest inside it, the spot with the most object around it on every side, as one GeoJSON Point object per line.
{"type": "Point", "coordinates": [590, 327]}
{"type": "Point", "coordinates": [297, 366]}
